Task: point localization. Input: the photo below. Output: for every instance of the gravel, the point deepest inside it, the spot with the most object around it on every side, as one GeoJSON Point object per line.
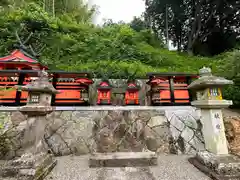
{"type": "Point", "coordinates": [170, 167]}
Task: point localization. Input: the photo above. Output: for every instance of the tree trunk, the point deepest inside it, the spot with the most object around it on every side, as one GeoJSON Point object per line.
{"type": "Point", "coordinates": [196, 26]}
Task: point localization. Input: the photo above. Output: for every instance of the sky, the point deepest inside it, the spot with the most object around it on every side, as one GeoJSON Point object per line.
{"type": "Point", "coordinates": [118, 10]}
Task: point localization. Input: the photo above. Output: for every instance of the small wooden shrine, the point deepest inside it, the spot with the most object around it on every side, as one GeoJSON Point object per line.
{"type": "Point", "coordinates": [104, 93]}
{"type": "Point", "coordinates": [132, 93]}
{"type": "Point", "coordinates": [170, 88]}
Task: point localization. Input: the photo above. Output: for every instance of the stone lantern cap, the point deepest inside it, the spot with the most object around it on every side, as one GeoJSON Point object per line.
{"type": "Point", "coordinates": [40, 85]}
{"type": "Point", "coordinates": [207, 80]}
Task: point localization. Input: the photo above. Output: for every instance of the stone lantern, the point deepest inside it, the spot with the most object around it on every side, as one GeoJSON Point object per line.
{"type": "Point", "coordinates": [208, 90]}
{"type": "Point", "coordinates": [209, 99]}
{"type": "Point", "coordinates": [215, 160]}
{"type": "Point", "coordinates": [36, 161]}
{"type": "Point", "coordinates": [39, 96]}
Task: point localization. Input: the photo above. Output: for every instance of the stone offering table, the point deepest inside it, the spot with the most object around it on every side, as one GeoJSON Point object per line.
{"type": "Point", "coordinates": [216, 161]}
{"type": "Point", "coordinates": [123, 159]}
{"type": "Point", "coordinates": [35, 163]}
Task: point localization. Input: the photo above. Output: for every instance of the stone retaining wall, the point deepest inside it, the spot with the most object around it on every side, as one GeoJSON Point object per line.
{"type": "Point", "coordinates": [82, 130]}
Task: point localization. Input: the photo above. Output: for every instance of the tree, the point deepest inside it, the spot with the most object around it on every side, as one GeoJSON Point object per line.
{"type": "Point", "coordinates": [138, 24]}
{"type": "Point", "coordinates": [76, 9]}
{"type": "Point", "coordinates": [193, 24]}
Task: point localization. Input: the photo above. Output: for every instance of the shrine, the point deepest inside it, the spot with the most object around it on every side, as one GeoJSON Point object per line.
{"type": "Point", "coordinates": [169, 89]}
{"type": "Point", "coordinates": [19, 68]}
{"type": "Point", "coordinates": [104, 93]}
{"type": "Point", "coordinates": [17, 60]}
{"type": "Point", "coordinates": [132, 93]}
{"type": "Point", "coordinates": [74, 87]}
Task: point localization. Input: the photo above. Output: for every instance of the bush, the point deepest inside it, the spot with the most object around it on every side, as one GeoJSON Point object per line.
{"type": "Point", "coordinates": [229, 67]}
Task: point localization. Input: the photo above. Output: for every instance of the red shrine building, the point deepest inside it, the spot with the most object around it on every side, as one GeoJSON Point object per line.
{"type": "Point", "coordinates": [132, 93]}
{"type": "Point", "coordinates": [19, 68]}
{"type": "Point", "coordinates": [169, 88]}
{"type": "Point", "coordinates": [104, 93]}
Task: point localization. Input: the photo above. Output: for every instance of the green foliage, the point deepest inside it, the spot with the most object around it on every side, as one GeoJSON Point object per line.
{"type": "Point", "coordinates": [4, 145]}
{"type": "Point", "coordinates": [73, 45]}
{"type": "Point", "coordinates": [229, 67]}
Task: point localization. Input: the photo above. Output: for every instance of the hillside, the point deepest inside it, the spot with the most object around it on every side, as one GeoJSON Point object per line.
{"type": "Point", "coordinates": [70, 45]}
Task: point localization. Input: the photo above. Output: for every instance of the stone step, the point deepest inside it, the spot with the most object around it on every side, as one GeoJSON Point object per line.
{"type": "Point", "coordinates": [34, 168]}
{"type": "Point", "coordinates": [123, 159]}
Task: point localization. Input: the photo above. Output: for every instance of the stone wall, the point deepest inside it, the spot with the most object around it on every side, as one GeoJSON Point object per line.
{"type": "Point", "coordinates": [82, 130]}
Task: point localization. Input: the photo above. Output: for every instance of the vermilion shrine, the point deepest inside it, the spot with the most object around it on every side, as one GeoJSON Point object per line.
{"type": "Point", "coordinates": [104, 93]}
{"type": "Point", "coordinates": [19, 68]}
{"type": "Point", "coordinates": [132, 93]}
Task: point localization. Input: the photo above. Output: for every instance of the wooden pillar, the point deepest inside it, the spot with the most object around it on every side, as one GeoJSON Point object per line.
{"type": "Point", "coordinates": [19, 93]}
{"type": "Point", "coordinates": [171, 88]}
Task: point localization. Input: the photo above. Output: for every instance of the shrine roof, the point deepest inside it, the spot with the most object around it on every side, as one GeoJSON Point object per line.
{"type": "Point", "coordinates": [20, 56]}
{"type": "Point", "coordinates": [104, 84]}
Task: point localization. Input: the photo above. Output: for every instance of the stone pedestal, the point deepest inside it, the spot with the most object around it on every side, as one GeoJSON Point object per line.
{"type": "Point", "coordinates": [219, 167]}
{"type": "Point", "coordinates": [29, 167]}
{"type": "Point", "coordinates": [123, 159]}
{"type": "Point", "coordinates": [214, 131]}
{"type": "Point", "coordinates": [213, 126]}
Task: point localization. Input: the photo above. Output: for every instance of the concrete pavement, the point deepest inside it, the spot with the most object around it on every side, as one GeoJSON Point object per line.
{"type": "Point", "coordinates": [170, 167]}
